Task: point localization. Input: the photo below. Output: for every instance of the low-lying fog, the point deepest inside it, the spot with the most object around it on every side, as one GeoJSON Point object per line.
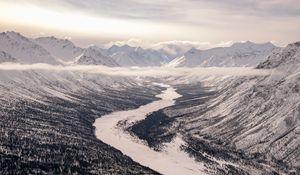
{"type": "Point", "coordinates": [142, 71]}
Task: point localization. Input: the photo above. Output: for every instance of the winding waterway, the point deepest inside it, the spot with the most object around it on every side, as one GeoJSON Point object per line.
{"type": "Point", "coordinates": [170, 161]}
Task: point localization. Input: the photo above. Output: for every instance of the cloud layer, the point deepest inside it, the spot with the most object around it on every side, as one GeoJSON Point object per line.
{"type": "Point", "coordinates": [139, 71]}
{"type": "Point", "coordinates": [155, 20]}
{"type": "Point", "coordinates": [179, 9]}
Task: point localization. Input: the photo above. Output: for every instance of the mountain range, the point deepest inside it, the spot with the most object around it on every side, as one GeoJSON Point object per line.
{"type": "Point", "coordinates": [246, 54]}
{"type": "Point", "coordinates": [15, 47]}
{"type": "Point", "coordinates": [61, 49]}
{"type": "Point", "coordinates": [229, 124]}
{"type": "Point", "coordinates": [25, 50]}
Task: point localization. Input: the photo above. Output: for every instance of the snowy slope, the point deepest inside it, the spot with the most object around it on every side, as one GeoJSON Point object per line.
{"type": "Point", "coordinates": [259, 115]}
{"type": "Point", "coordinates": [286, 56]}
{"type": "Point", "coordinates": [131, 56]}
{"type": "Point", "coordinates": [176, 62]}
{"type": "Point", "coordinates": [5, 57]}
{"type": "Point", "coordinates": [268, 108]}
{"type": "Point", "coordinates": [61, 48]}
{"type": "Point", "coordinates": [24, 49]}
{"type": "Point", "coordinates": [47, 116]}
{"type": "Point", "coordinates": [93, 56]}
{"type": "Point", "coordinates": [246, 54]}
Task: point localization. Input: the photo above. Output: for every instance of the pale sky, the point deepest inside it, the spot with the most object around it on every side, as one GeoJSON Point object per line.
{"type": "Point", "coordinates": [99, 21]}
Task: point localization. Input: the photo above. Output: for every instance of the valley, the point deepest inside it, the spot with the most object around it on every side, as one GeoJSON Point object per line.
{"type": "Point", "coordinates": [149, 87]}
{"type": "Point", "coordinates": [171, 160]}
{"type": "Point", "coordinates": [71, 110]}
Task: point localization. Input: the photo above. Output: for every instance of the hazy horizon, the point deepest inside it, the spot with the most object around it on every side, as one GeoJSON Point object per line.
{"type": "Point", "coordinates": [135, 42]}
{"type": "Point", "coordinates": [214, 23]}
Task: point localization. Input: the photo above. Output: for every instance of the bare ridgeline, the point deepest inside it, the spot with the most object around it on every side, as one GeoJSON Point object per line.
{"type": "Point", "coordinates": [230, 124]}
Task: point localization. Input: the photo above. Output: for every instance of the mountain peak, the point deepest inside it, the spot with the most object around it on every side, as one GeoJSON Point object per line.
{"type": "Point", "coordinates": [53, 39]}
{"type": "Point", "coordinates": [192, 51]}
{"type": "Point", "coordinates": [250, 44]}
{"type": "Point", "coordinates": [24, 49]}
{"type": "Point", "coordinates": [120, 46]}
{"type": "Point", "coordinates": [92, 48]}
{"type": "Point", "coordinates": [93, 56]}
{"type": "Point", "coordinates": [242, 44]}
{"type": "Point", "coordinates": [14, 35]}
{"type": "Point", "coordinates": [63, 49]}
{"type": "Point", "coordinates": [296, 44]}
{"type": "Point", "coordinates": [282, 56]}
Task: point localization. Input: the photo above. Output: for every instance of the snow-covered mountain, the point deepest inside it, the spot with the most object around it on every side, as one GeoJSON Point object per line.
{"type": "Point", "coordinates": [15, 47]}
{"type": "Point", "coordinates": [24, 49]}
{"type": "Point", "coordinates": [93, 56]}
{"type": "Point", "coordinates": [63, 49]}
{"type": "Point", "coordinates": [52, 50]}
{"type": "Point", "coordinates": [174, 49]}
{"type": "Point", "coordinates": [257, 117]}
{"type": "Point", "coordinates": [288, 56]}
{"type": "Point", "coordinates": [66, 51]}
{"type": "Point", "coordinates": [246, 54]}
{"type": "Point", "coordinates": [231, 124]}
{"type": "Point", "coordinates": [5, 57]}
{"type": "Point", "coordinates": [262, 113]}
{"type": "Point", "coordinates": [136, 56]}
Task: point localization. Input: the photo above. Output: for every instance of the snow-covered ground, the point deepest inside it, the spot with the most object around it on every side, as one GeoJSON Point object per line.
{"type": "Point", "coordinates": [169, 161]}
{"type": "Point", "coordinates": [256, 110]}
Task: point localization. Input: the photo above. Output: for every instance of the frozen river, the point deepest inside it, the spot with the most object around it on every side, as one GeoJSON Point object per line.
{"type": "Point", "coordinates": [170, 161]}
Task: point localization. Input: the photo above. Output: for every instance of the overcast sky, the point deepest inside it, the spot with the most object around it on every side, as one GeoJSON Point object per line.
{"type": "Point", "coordinates": [97, 21]}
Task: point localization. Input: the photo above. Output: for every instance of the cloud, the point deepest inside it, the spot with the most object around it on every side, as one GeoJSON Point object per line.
{"type": "Point", "coordinates": [224, 44]}
{"type": "Point", "coordinates": [175, 47]}
{"type": "Point", "coordinates": [138, 71]}
{"type": "Point", "coordinates": [132, 9]}
{"type": "Point", "coordinates": [258, 8]}
{"type": "Point", "coordinates": [178, 10]}
{"type": "Point", "coordinates": [133, 42]}
{"type": "Point", "coordinates": [183, 44]}
{"type": "Point", "coordinates": [178, 48]}
{"type": "Point", "coordinates": [157, 20]}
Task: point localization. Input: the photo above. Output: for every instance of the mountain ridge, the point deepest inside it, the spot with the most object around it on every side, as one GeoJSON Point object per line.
{"type": "Point", "coordinates": [53, 50]}
{"type": "Point", "coordinates": [247, 54]}
{"type": "Point", "coordinates": [24, 49]}
{"type": "Point", "coordinates": [63, 49]}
